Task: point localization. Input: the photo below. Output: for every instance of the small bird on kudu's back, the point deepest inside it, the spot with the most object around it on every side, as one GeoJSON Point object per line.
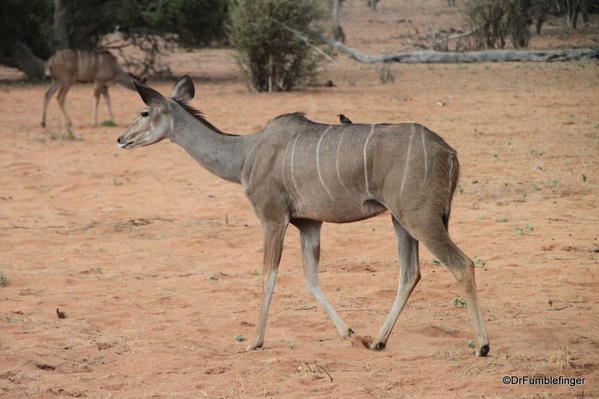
{"type": "Point", "coordinates": [344, 119]}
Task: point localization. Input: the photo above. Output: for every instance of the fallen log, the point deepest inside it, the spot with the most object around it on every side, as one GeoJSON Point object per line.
{"type": "Point", "coordinates": [448, 57]}
{"type": "Point", "coordinates": [432, 56]}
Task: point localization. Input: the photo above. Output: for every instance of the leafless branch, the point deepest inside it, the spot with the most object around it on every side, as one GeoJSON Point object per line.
{"type": "Point", "coordinates": [305, 40]}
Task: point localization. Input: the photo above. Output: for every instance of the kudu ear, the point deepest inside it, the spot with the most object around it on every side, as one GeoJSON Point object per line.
{"type": "Point", "coordinates": [151, 97]}
{"type": "Point", "coordinates": [184, 89]}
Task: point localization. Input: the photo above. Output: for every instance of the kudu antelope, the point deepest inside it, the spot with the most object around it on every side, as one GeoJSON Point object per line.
{"type": "Point", "coordinates": [305, 173]}
{"type": "Point", "coordinates": [66, 67]}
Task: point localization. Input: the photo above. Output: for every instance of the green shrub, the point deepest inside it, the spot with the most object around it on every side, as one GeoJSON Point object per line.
{"type": "Point", "coordinates": [108, 122]}
{"type": "Point", "coordinates": [271, 56]}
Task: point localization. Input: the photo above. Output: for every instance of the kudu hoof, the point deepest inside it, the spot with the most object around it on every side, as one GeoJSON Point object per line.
{"type": "Point", "coordinates": [253, 347]}
{"type": "Point", "coordinates": [483, 351]}
{"type": "Point", "coordinates": [379, 346]}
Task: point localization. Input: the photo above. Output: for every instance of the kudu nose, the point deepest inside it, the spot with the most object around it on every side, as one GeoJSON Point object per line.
{"type": "Point", "coordinates": [119, 140]}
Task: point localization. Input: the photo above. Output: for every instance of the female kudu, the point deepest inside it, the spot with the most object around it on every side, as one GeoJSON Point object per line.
{"type": "Point", "coordinates": [69, 66]}
{"type": "Point", "coordinates": [305, 173]}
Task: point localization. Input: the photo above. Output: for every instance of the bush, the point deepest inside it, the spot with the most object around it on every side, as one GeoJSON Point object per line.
{"type": "Point", "coordinates": [189, 22]}
{"type": "Point", "coordinates": [495, 21]}
{"type": "Point", "coordinates": [148, 25]}
{"type": "Point", "coordinates": [272, 57]}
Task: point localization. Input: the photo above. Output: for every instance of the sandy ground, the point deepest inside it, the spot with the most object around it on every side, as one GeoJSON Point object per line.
{"type": "Point", "coordinates": [156, 262]}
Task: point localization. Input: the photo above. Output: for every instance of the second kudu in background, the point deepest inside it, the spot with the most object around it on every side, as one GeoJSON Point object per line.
{"type": "Point", "coordinates": [66, 67]}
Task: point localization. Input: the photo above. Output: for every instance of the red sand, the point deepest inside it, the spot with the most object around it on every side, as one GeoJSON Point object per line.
{"type": "Point", "coordinates": [155, 261]}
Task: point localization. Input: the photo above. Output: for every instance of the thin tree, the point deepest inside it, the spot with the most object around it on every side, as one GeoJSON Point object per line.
{"type": "Point", "coordinates": [338, 33]}
{"type": "Point", "coordinates": [62, 24]}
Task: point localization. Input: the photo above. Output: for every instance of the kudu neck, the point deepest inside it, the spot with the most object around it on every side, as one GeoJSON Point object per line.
{"type": "Point", "coordinates": [220, 153]}
{"type": "Point", "coordinates": [124, 79]}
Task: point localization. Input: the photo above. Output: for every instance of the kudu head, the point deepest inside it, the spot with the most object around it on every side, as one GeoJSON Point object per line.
{"type": "Point", "coordinates": [155, 122]}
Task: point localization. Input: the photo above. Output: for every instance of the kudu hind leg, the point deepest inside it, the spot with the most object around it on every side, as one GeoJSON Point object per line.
{"type": "Point", "coordinates": [437, 240]}
{"type": "Point", "coordinates": [49, 93]}
{"type": "Point", "coordinates": [60, 98]}
{"type": "Point", "coordinates": [310, 239]}
{"type": "Point", "coordinates": [407, 248]}
{"type": "Point", "coordinates": [274, 234]}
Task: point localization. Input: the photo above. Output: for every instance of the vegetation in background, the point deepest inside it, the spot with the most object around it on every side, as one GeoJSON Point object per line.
{"type": "Point", "coordinates": [28, 21]}
{"type": "Point", "coordinates": [25, 26]}
{"type": "Point", "coordinates": [271, 56]}
{"type": "Point", "coordinates": [495, 22]}
{"type": "Point", "coordinates": [151, 26]}
{"type": "Point", "coordinates": [386, 75]}
{"type": "Point", "coordinates": [146, 24]}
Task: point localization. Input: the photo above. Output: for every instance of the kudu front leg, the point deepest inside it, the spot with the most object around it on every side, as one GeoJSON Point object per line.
{"type": "Point", "coordinates": [274, 234]}
{"type": "Point", "coordinates": [60, 98]}
{"type": "Point", "coordinates": [97, 92]}
{"type": "Point", "coordinates": [407, 247]}
{"type": "Point", "coordinates": [107, 99]}
{"type": "Point", "coordinates": [310, 238]}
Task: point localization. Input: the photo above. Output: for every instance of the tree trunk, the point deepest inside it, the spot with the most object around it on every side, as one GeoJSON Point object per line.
{"type": "Point", "coordinates": [572, 12]}
{"type": "Point", "coordinates": [338, 33]}
{"type": "Point", "coordinates": [62, 24]}
{"type": "Point", "coordinates": [24, 60]}
{"type": "Point", "coordinates": [373, 4]}
{"type": "Point", "coordinates": [335, 12]}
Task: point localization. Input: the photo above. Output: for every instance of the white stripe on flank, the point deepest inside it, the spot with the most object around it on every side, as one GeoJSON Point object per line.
{"type": "Point", "coordinates": [318, 162]}
{"type": "Point", "coordinates": [425, 155]}
{"type": "Point", "coordinates": [291, 163]}
{"type": "Point", "coordinates": [366, 161]}
{"type": "Point", "coordinates": [251, 151]}
{"type": "Point", "coordinates": [407, 164]}
{"type": "Point", "coordinates": [247, 158]}
{"type": "Point", "coordinates": [450, 173]}
{"type": "Point", "coordinates": [337, 159]}
{"type": "Point", "coordinates": [284, 159]}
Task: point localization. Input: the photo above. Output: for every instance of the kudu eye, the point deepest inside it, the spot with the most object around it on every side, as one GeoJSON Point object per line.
{"type": "Point", "coordinates": [145, 113]}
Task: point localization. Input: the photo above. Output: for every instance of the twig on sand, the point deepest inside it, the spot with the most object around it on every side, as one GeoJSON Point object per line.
{"type": "Point", "coordinates": [318, 366]}
{"type": "Point", "coordinates": [560, 308]}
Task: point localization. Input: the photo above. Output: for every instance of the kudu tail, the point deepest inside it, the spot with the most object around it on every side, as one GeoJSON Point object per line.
{"type": "Point", "coordinates": [48, 67]}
